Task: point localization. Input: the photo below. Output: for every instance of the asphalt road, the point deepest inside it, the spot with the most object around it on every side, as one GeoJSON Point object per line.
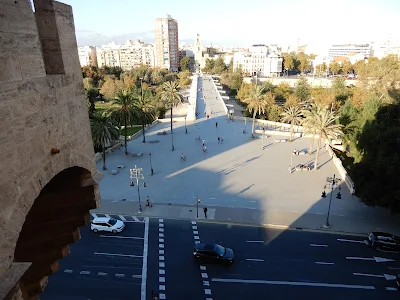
{"type": "Point", "coordinates": [268, 263]}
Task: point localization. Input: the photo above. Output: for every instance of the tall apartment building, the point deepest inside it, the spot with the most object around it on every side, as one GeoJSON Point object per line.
{"type": "Point", "coordinates": [87, 56]}
{"type": "Point", "coordinates": [167, 47]}
{"type": "Point", "coordinates": [346, 49]}
{"type": "Point", "coordinates": [259, 61]}
{"type": "Point", "coordinates": [108, 55]}
{"type": "Point", "coordinates": [135, 53]}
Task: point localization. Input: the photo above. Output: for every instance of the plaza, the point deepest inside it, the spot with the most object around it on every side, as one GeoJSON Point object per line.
{"type": "Point", "coordinates": [241, 172]}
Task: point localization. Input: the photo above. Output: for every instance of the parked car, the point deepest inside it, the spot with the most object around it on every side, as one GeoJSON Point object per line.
{"type": "Point", "coordinates": [107, 224]}
{"type": "Point", "coordinates": [213, 253]}
{"type": "Point", "coordinates": [383, 240]}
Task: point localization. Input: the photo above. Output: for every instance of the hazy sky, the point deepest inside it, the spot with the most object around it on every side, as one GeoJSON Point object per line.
{"type": "Point", "coordinates": [238, 22]}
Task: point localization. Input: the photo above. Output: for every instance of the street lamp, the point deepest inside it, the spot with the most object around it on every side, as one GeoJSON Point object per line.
{"type": "Point", "coordinates": [185, 126]}
{"type": "Point", "coordinates": [197, 205]}
{"type": "Point", "coordinates": [172, 139]}
{"type": "Point", "coordinates": [151, 166]}
{"type": "Point", "coordinates": [136, 173]}
{"type": "Point", "coordinates": [333, 181]}
{"type": "Point", "coordinates": [245, 123]}
{"type": "Point", "coordinates": [141, 92]}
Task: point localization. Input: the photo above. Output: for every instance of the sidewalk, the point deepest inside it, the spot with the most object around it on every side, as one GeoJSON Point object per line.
{"type": "Point", "coordinates": [254, 216]}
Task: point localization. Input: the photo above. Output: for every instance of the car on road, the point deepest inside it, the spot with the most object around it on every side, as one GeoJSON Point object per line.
{"type": "Point", "coordinates": [213, 253]}
{"type": "Point", "coordinates": [383, 240]}
{"type": "Point", "coordinates": [107, 224]}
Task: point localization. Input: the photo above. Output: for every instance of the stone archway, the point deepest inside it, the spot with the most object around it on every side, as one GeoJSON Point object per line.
{"type": "Point", "coordinates": [52, 224]}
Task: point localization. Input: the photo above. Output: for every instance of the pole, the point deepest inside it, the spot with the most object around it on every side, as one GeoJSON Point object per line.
{"type": "Point", "coordinates": [172, 139]}
{"type": "Point", "coordinates": [185, 126]}
{"type": "Point", "coordinates": [327, 225]}
{"type": "Point", "coordinates": [151, 167]}
{"type": "Point", "coordinates": [197, 205]}
{"type": "Point", "coordinates": [140, 211]}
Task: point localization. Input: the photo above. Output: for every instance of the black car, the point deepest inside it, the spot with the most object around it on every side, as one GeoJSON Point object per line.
{"type": "Point", "coordinates": [213, 253]}
{"type": "Point", "coordinates": [382, 240]}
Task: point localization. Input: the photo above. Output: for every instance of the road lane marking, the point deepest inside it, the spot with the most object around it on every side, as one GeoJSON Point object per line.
{"type": "Point", "coordinates": [324, 263]}
{"type": "Point", "coordinates": [161, 279]}
{"type": "Point", "coordinates": [116, 254]}
{"type": "Point", "coordinates": [160, 225]}
{"type": "Point", "coordinates": [161, 229]}
{"type": "Point", "coordinates": [94, 215]}
{"type": "Point", "coordinates": [120, 275]}
{"type": "Point", "coordinates": [351, 241]}
{"type": "Point", "coordinates": [122, 217]}
{"type": "Point", "coordinates": [161, 234]}
{"type": "Point", "coordinates": [161, 272]}
{"type": "Point", "coordinates": [388, 251]}
{"type": "Point", "coordinates": [203, 268]}
{"type": "Point", "coordinates": [296, 283]}
{"type": "Point", "coordinates": [161, 220]}
{"type": "Point", "coordinates": [377, 259]}
{"type": "Point", "coordinates": [68, 271]}
{"type": "Point", "coordinates": [386, 276]}
{"type": "Point", "coordinates": [196, 237]}
{"type": "Point", "coordinates": [84, 272]}
{"type": "Point", "coordinates": [206, 283]}
{"type": "Point", "coordinates": [317, 245]}
{"type": "Point", "coordinates": [393, 268]}
{"type": "Point", "coordinates": [136, 276]}
{"type": "Point", "coordinates": [145, 254]}
{"type": "Point", "coordinates": [254, 241]}
{"type": "Point", "coordinates": [162, 296]}
{"type": "Point", "coordinates": [107, 216]}
{"type": "Point", "coordinates": [207, 291]}
{"type": "Point", "coordinates": [121, 237]}
{"type": "Point", "coordinates": [160, 251]}
{"type": "Point", "coordinates": [161, 246]}
{"type": "Point", "coordinates": [254, 259]}
{"type": "Point", "coordinates": [195, 232]}
{"type": "Point", "coordinates": [388, 288]}
{"type": "Point", "coordinates": [204, 275]}
{"type": "Point", "coordinates": [135, 219]}
{"type": "Point", "coordinates": [193, 222]}
{"type": "Point", "coordinates": [194, 227]}
{"type": "Point", "coordinates": [161, 257]}
{"type": "Point", "coordinates": [161, 240]}
{"type": "Point", "coordinates": [161, 264]}
{"type": "Point", "coordinates": [102, 274]}
{"type": "Point", "coordinates": [161, 287]}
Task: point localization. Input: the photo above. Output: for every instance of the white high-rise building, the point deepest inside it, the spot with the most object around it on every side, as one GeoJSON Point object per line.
{"type": "Point", "coordinates": [346, 49]}
{"type": "Point", "coordinates": [87, 56]}
{"type": "Point", "coordinates": [135, 53]}
{"type": "Point", "coordinates": [167, 47]}
{"type": "Point", "coordinates": [259, 61]}
{"type": "Point", "coordinates": [108, 55]}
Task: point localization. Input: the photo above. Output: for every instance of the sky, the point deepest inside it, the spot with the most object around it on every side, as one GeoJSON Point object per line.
{"type": "Point", "coordinates": [317, 23]}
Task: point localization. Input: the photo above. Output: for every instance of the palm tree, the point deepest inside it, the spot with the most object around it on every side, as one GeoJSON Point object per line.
{"type": "Point", "coordinates": [144, 110]}
{"type": "Point", "coordinates": [123, 111]}
{"type": "Point", "coordinates": [322, 122]}
{"type": "Point", "coordinates": [171, 96]}
{"type": "Point", "coordinates": [292, 115]}
{"type": "Point", "coordinates": [310, 109]}
{"type": "Point", "coordinates": [257, 103]}
{"type": "Point", "coordinates": [103, 133]}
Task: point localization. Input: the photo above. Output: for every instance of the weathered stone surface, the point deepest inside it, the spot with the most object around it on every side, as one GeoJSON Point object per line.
{"type": "Point", "coordinates": [32, 66]}
{"type": "Point", "coordinates": [10, 70]}
{"type": "Point", "coordinates": [3, 20]}
{"type": "Point", "coordinates": [20, 20]}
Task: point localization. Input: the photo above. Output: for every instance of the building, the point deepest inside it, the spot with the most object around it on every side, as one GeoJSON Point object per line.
{"type": "Point", "coordinates": [87, 56]}
{"type": "Point", "coordinates": [167, 46]}
{"type": "Point", "coordinates": [48, 175]}
{"type": "Point", "coordinates": [259, 61]}
{"type": "Point", "coordinates": [346, 49]}
{"type": "Point", "coordinates": [108, 55]}
{"type": "Point", "coordinates": [136, 53]}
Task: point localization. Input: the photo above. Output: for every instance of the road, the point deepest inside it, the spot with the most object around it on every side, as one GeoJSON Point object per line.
{"type": "Point", "coordinates": [270, 263]}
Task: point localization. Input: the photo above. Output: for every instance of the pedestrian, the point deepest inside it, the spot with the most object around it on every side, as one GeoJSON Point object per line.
{"type": "Point", "coordinates": [222, 140]}
{"type": "Point", "coordinates": [205, 212]}
{"type": "Point", "coordinates": [148, 202]}
{"type": "Point", "coordinates": [208, 116]}
{"type": "Point", "coordinates": [216, 124]}
{"type": "Point", "coordinates": [204, 142]}
{"type": "Point", "coordinates": [219, 140]}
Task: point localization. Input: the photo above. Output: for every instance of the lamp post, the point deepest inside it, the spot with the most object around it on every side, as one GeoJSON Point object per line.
{"type": "Point", "coordinates": [245, 123]}
{"type": "Point", "coordinates": [172, 139]}
{"type": "Point", "coordinates": [141, 92]}
{"type": "Point", "coordinates": [151, 166]}
{"type": "Point", "coordinates": [136, 173]}
{"type": "Point", "coordinates": [333, 181]}
{"type": "Point", "coordinates": [185, 126]}
{"type": "Point", "coordinates": [197, 205]}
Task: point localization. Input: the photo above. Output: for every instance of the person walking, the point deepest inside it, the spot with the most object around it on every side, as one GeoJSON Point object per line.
{"type": "Point", "coordinates": [205, 212]}
{"type": "Point", "coordinates": [148, 202]}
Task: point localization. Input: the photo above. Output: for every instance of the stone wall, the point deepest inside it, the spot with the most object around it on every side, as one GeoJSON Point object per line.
{"type": "Point", "coordinates": [42, 106]}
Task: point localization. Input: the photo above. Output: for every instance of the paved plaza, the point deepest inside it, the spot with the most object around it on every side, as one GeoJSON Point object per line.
{"type": "Point", "coordinates": [234, 174]}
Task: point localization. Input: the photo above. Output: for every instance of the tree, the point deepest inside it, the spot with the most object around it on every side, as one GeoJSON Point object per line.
{"type": "Point", "coordinates": [144, 110]}
{"type": "Point", "coordinates": [111, 87]}
{"type": "Point", "coordinates": [334, 67]}
{"type": "Point", "coordinates": [171, 96]}
{"type": "Point", "coordinates": [321, 69]}
{"type": "Point", "coordinates": [208, 68]}
{"type": "Point", "coordinates": [358, 66]}
{"type": "Point", "coordinates": [219, 66]}
{"type": "Point", "coordinates": [322, 122]}
{"type": "Point", "coordinates": [302, 90]}
{"type": "Point", "coordinates": [103, 133]}
{"type": "Point", "coordinates": [256, 104]}
{"type": "Point", "coordinates": [184, 79]}
{"type": "Point", "coordinates": [91, 95]}
{"type": "Point", "coordinates": [304, 63]}
{"type": "Point", "coordinates": [267, 87]}
{"type": "Point", "coordinates": [184, 63]}
{"type": "Point", "coordinates": [339, 89]}
{"type": "Point", "coordinates": [376, 176]}
{"type": "Point", "coordinates": [274, 112]}
{"type": "Point", "coordinates": [288, 62]}
{"type": "Point", "coordinates": [292, 100]}
{"type": "Point", "coordinates": [323, 97]}
{"type": "Point", "coordinates": [292, 115]}
{"type": "Point", "coordinates": [123, 111]}
{"type": "Point", "coordinates": [284, 90]}
{"type": "Point", "coordinates": [347, 67]}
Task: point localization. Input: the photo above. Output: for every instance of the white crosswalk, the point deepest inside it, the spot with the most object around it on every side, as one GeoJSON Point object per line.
{"type": "Point", "coordinates": [124, 218]}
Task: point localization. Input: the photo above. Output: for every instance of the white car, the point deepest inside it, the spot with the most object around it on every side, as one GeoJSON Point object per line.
{"type": "Point", "coordinates": [107, 224]}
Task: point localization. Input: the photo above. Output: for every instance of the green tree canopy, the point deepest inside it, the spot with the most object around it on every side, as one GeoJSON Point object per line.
{"type": "Point", "coordinates": [209, 67]}
{"type": "Point", "coordinates": [334, 67]}
{"type": "Point", "coordinates": [219, 66]}
{"type": "Point", "coordinates": [184, 63]}
{"type": "Point", "coordinates": [347, 67]}
{"type": "Point", "coordinates": [302, 90]}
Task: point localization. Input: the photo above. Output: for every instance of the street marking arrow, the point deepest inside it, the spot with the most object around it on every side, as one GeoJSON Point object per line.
{"type": "Point", "coordinates": [386, 276]}
{"type": "Point", "coordinates": [377, 259]}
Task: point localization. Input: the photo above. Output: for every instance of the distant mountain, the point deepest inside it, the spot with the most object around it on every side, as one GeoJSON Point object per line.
{"type": "Point", "coordinates": [85, 38]}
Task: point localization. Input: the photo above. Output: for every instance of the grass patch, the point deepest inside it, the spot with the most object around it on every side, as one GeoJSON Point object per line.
{"type": "Point", "coordinates": [130, 130]}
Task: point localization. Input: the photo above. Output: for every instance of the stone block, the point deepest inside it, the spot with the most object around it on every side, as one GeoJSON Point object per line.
{"type": "Point", "coordinates": [71, 63]}
{"type": "Point", "coordinates": [10, 69]}
{"type": "Point", "coordinates": [25, 201]}
{"type": "Point", "coordinates": [68, 45]}
{"type": "Point", "coordinates": [8, 160]}
{"type": "Point", "coordinates": [28, 44]}
{"type": "Point", "coordinates": [8, 90]}
{"type": "Point", "coordinates": [17, 219]}
{"type": "Point", "coordinates": [26, 105]}
{"type": "Point", "coordinates": [20, 21]}
{"type": "Point", "coordinates": [7, 197]}
{"type": "Point", "coordinates": [3, 20]}
{"type": "Point", "coordinates": [49, 97]}
{"type": "Point", "coordinates": [46, 24]}
{"type": "Point", "coordinates": [32, 66]}
{"type": "Point", "coordinates": [53, 61]}
{"type": "Point", "coordinates": [23, 5]}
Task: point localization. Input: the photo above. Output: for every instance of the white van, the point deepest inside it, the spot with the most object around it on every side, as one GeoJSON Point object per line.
{"type": "Point", "coordinates": [107, 224]}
